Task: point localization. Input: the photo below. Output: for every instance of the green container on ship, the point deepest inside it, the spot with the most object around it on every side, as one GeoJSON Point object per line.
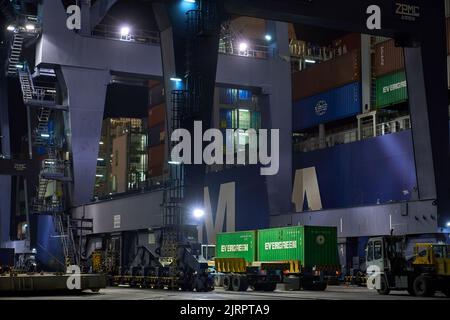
{"type": "Point", "coordinates": [391, 89]}
{"type": "Point", "coordinates": [236, 245]}
{"type": "Point", "coordinates": [311, 245]}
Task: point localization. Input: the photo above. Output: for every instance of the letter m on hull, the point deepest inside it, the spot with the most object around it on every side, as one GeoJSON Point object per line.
{"type": "Point", "coordinates": [225, 218]}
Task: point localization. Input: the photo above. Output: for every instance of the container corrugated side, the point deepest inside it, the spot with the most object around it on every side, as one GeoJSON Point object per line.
{"type": "Point", "coordinates": [339, 103]}
{"type": "Point", "coordinates": [327, 75]}
{"type": "Point", "coordinates": [320, 246]}
{"type": "Point", "coordinates": [388, 58]}
{"type": "Point", "coordinates": [156, 135]}
{"type": "Point", "coordinates": [157, 115]}
{"type": "Point", "coordinates": [448, 35]}
{"type": "Point", "coordinates": [236, 245]}
{"type": "Point", "coordinates": [281, 244]}
{"type": "Point", "coordinates": [391, 89]}
{"type": "Point", "coordinates": [156, 159]}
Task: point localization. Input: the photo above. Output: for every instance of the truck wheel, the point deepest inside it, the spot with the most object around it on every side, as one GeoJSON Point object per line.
{"type": "Point", "coordinates": [423, 287]}
{"type": "Point", "coordinates": [236, 283]}
{"type": "Point", "coordinates": [227, 283]}
{"type": "Point", "coordinates": [384, 287]}
{"type": "Point", "coordinates": [218, 281]}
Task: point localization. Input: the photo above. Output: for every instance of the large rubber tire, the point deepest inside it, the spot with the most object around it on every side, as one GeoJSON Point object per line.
{"type": "Point", "coordinates": [423, 286]}
{"type": "Point", "coordinates": [227, 283]}
{"type": "Point", "coordinates": [384, 291]}
{"type": "Point", "coordinates": [218, 281]}
{"type": "Point", "coordinates": [239, 283]}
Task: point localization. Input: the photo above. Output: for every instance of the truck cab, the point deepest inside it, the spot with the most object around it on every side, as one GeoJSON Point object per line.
{"type": "Point", "coordinates": [388, 268]}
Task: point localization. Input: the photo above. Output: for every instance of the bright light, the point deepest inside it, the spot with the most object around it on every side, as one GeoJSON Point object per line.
{"type": "Point", "coordinates": [19, 66]}
{"type": "Point", "coordinates": [243, 46]}
{"type": "Point", "coordinates": [268, 37]}
{"type": "Point", "coordinates": [176, 163]}
{"type": "Point", "coordinates": [99, 175]}
{"type": "Point", "coordinates": [175, 79]}
{"type": "Point", "coordinates": [30, 27]}
{"type": "Point", "coordinates": [448, 224]}
{"type": "Point", "coordinates": [11, 28]}
{"type": "Point", "coordinates": [198, 213]}
{"type": "Point", "coordinates": [244, 110]}
{"type": "Point", "coordinates": [125, 31]}
{"type": "Point", "coordinates": [189, 1]}
{"type": "Point", "coordinates": [309, 61]}
{"type": "Point", "coordinates": [100, 159]}
{"type": "Point", "coordinates": [45, 135]}
{"type": "Point", "coordinates": [101, 143]}
{"type": "Point", "coordinates": [33, 250]}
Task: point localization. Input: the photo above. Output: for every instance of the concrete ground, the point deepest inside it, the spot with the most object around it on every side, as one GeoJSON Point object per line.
{"type": "Point", "coordinates": [126, 293]}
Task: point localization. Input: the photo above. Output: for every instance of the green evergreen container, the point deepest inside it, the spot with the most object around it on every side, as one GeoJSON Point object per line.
{"type": "Point", "coordinates": [236, 245]}
{"type": "Point", "coordinates": [391, 89]}
{"type": "Point", "coordinates": [312, 246]}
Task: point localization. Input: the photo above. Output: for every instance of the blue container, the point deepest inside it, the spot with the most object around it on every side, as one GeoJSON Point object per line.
{"type": "Point", "coordinates": [329, 106]}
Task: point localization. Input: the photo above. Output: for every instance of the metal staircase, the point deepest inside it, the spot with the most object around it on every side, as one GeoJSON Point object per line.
{"type": "Point", "coordinates": [26, 85]}
{"type": "Point", "coordinates": [14, 54]}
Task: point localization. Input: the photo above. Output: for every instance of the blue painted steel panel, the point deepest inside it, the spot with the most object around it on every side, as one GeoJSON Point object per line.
{"type": "Point", "coordinates": [252, 207]}
{"type": "Point", "coordinates": [332, 105]}
{"type": "Point", "coordinates": [367, 172]}
{"type": "Point", "coordinates": [49, 253]}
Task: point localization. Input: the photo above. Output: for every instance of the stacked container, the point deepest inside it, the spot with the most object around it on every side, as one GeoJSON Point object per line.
{"type": "Point", "coordinates": [330, 90]}
{"type": "Point", "coordinates": [389, 72]}
{"type": "Point", "coordinates": [156, 132]}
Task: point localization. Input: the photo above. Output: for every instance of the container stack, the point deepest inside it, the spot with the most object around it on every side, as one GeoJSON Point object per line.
{"type": "Point", "coordinates": [390, 76]}
{"type": "Point", "coordinates": [156, 131]}
{"type": "Point", "coordinates": [330, 90]}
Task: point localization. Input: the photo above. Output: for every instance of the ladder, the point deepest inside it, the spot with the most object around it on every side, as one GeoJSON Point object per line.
{"type": "Point", "coordinates": [14, 54]}
{"type": "Point", "coordinates": [67, 239]}
{"type": "Point", "coordinates": [42, 133]}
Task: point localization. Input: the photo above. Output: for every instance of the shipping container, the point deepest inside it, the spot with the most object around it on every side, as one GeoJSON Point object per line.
{"type": "Point", "coordinates": [156, 171]}
{"type": "Point", "coordinates": [448, 35]}
{"type": "Point", "coordinates": [156, 135]}
{"type": "Point", "coordinates": [157, 95]}
{"type": "Point", "coordinates": [157, 115]}
{"type": "Point", "coordinates": [391, 89]}
{"type": "Point", "coordinates": [329, 106]}
{"type": "Point", "coordinates": [350, 42]}
{"type": "Point", "coordinates": [237, 245]}
{"type": "Point", "coordinates": [156, 155]}
{"type": "Point", "coordinates": [388, 58]}
{"type": "Point", "coordinates": [311, 245]}
{"type": "Point", "coordinates": [328, 75]}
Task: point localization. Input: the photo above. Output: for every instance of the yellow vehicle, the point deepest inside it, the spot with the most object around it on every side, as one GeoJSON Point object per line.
{"type": "Point", "coordinates": [426, 272]}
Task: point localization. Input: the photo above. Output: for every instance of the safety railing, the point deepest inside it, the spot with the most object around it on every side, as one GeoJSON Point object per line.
{"type": "Point", "coordinates": [44, 94]}
{"type": "Point", "coordinates": [246, 50]}
{"type": "Point", "coordinates": [126, 34]}
{"type": "Point", "coordinates": [53, 167]}
{"type": "Point", "coordinates": [349, 136]}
